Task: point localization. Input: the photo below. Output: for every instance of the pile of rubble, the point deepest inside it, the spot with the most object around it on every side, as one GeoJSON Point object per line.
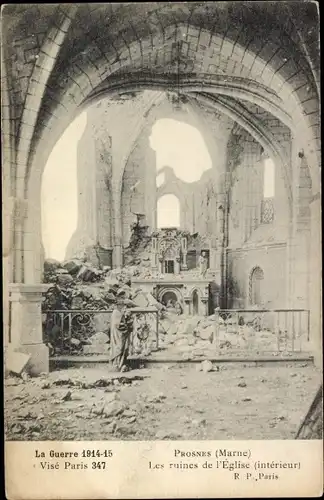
{"type": "Point", "coordinates": [79, 286]}
{"type": "Point", "coordinates": [193, 337]}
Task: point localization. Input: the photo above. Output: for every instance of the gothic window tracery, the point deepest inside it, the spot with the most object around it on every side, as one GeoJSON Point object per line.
{"type": "Point", "coordinates": [267, 202]}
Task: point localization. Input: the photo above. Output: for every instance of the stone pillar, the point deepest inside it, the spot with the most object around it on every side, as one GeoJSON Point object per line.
{"type": "Point", "coordinates": [117, 256]}
{"type": "Point", "coordinates": [184, 263]}
{"type": "Point", "coordinates": [298, 249]}
{"type": "Point", "coordinates": [215, 255]}
{"type": "Point", "coordinates": [33, 257]}
{"type": "Point", "coordinates": [184, 253]}
{"type": "Point", "coordinates": [102, 194]}
{"type": "Point", "coordinates": [26, 325]}
{"type": "Point", "coordinates": [117, 225]}
{"type": "Point", "coordinates": [154, 253]}
{"type": "Point", "coordinates": [7, 256]}
{"type": "Point", "coordinates": [315, 292]}
{"type": "Point", "coordinates": [86, 230]}
{"type": "Point", "coordinates": [177, 265]}
{"type": "Point", "coordinates": [161, 265]}
{"type": "Point", "coordinates": [150, 185]}
{"type": "Point", "coordinates": [204, 306]}
{"type": "Point", "coordinates": [186, 308]}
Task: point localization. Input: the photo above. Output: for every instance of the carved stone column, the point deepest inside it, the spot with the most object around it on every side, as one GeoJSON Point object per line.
{"type": "Point", "coordinates": [204, 309]}
{"type": "Point", "coordinates": [154, 255]}
{"type": "Point", "coordinates": [186, 308]}
{"type": "Point", "coordinates": [26, 325]}
{"type": "Point", "coordinates": [184, 253]}
{"type": "Point", "coordinates": [315, 293]}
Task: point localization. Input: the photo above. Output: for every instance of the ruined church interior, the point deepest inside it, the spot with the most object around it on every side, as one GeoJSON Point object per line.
{"type": "Point", "coordinates": [217, 241]}
{"type": "Point", "coordinates": [220, 235]}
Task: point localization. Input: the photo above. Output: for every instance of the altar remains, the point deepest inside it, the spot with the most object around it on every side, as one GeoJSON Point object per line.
{"type": "Point", "coordinates": [171, 281]}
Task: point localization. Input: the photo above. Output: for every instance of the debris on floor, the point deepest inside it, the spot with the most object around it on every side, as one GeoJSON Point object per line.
{"type": "Point", "coordinates": [178, 403]}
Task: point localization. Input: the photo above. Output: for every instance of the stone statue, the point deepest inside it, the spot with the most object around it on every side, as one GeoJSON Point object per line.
{"type": "Point", "coordinates": [202, 264]}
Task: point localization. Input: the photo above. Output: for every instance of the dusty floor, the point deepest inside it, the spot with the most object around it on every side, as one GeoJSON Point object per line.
{"type": "Point", "coordinates": [166, 402]}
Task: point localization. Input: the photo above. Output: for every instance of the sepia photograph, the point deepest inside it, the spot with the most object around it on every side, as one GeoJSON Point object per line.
{"type": "Point", "coordinates": [161, 185]}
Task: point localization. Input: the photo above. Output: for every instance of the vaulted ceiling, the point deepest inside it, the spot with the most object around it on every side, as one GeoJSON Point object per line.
{"type": "Point", "coordinates": [234, 55]}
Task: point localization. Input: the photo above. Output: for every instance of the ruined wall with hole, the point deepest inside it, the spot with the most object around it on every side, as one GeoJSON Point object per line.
{"type": "Point", "coordinates": [252, 239]}
{"type": "Point", "coordinates": [133, 191]}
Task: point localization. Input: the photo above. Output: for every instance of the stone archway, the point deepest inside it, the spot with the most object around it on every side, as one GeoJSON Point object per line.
{"type": "Point", "coordinates": [168, 296]}
{"type": "Point", "coordinates": [169, 292]}
{"type": "Point", "coordinates": [228, 65]}
{"type": "Point", "coordinates": [255, 286]}
{"type": "Point", "coordinates": [195, 303]}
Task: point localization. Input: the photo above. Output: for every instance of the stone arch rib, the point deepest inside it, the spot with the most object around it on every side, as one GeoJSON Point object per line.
{"type": "Point", "coordinates": [260, 132]}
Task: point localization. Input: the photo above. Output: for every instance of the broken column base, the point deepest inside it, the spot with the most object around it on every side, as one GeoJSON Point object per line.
{"type": "Point", "coordinates": [32, 359]}
{"type": "Point", "coordinates": [39, 358]}
{"type": "Point", "coordinates": [26, 325]}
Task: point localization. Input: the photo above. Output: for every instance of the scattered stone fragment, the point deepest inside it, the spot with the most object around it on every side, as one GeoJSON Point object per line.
{"type": "Point", "coordinates": [185, 419]}
{"type": "Point", "coordinates": [72, 266]}
{"type": "Point", "coordinates": [181, 342]}
{"type": "Point", "coordinates": [113, 409]}
{"type": "Point", "coordinates": [99, 338]}
{"type": "Point", "coordinates": [199, 422]}
{"type": "Point", "coordinates": [35, 428]}
{"type": "Point", "coordinates": [62, 381]}
{"type": "Point", "coordinates": [51, 265]}
{"type": "Point", "coordinates": [12, 382]}
{"type": "Point", "coordinates": [156, 399]}
{"type": "Point", "coordinates": [161, 435]}
{"type": "Point", "coordinates": [67, 397]}
{"type": "Point", "coordinates": [173, 329]}
{"type": "Point", "coordinates": [111, 427]}
{"type": "Point", "coordinates": [192, 340]}
{"type": "Point", "coordinates": [87, 273]}
{"type": "Point", "coordinates": [110, 396]}
{"type": "Point", "coordinates": [101, 382]}
{"type": "Point", "coordinates": [186, 356]}
{"type": "Point", "coordinates": [26, 416]}
{"type": "Point", "coordinates": [207, 333]}
{"type": "Point", "coordinates": [64, 279]}
{"type": "Point", "coordinates": [198, 352]}
{"type": "Point", "coordinates": [96, 349]}
{"type": "Point", "coordinates": [206, 366]}
{"type": "Point", "coordinates": [124, 430]}
{"type": "Point", "coordinates": [131, 420]}
{"type": "Point", "coordinates": [188, 326]}
{"type": "Point", "coordinates": [241, 384]}
{"type": "Point", "coordinates": [129, 413]}
{"type": "Point", "coordinates": [16, 362]}
{"type": "Point", "coordinates": [75, 342]}
{"type": "Point", "coordinates": [17, 428]}
{"type": "Point", "coordinates": [225, 345]}
{"type": "Point", "coordinates": [19, 397]}
{"type": "Point", "coordinates": [247, 399]}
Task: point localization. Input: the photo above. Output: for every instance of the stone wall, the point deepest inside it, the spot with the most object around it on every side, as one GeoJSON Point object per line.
{"type": "Point", "coordinates": [126, 170]}
{"type": "Point", "coordinates": [251, 242]}
{"type": "Point", "coordinates": [133, 191]}
{"type": "Point", "coordinates": [272, 261]}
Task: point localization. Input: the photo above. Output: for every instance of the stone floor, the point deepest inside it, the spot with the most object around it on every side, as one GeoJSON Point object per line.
{"type": "Point", "coordinates": [163, 402]}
